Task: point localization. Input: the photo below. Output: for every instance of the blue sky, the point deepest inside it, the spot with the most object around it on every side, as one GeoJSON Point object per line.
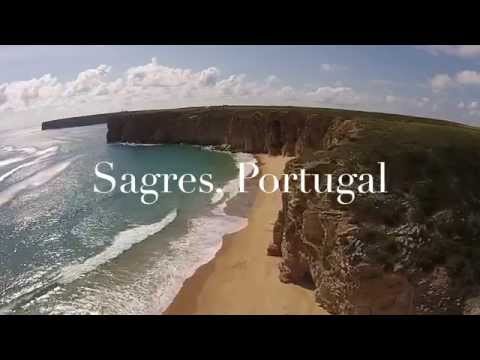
{"type": "Point", "coordinates": [45, 82]}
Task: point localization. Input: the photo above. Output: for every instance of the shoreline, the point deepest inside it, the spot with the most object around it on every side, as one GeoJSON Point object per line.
{"type": "Point", "coordinates": [242, 278]}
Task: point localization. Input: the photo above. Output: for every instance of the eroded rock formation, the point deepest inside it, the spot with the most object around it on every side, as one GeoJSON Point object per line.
{"type": "Point", "coordinates": [415, 249]}
{"type": "Point", "coordinates": [249, 130]}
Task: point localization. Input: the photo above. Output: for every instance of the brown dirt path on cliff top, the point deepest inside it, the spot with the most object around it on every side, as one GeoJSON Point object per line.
{"type": "Point", "coordinates": [242, 279]}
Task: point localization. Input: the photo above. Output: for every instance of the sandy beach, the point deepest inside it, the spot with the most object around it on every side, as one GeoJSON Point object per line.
{"type": "Point", "coordinates": [242, 279]}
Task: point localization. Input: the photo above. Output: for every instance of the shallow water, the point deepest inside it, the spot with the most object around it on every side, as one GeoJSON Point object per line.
{"type": "Point", "coordinates": [67, 250]}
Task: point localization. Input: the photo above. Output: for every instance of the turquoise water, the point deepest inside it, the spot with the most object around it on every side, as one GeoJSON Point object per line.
{"type": "Point", "coordinates": [67, 250]}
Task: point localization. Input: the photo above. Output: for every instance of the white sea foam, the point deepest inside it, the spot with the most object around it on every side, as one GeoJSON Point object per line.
{"type": "Point", "coordinates": [42, 155]}
{"type": "Point", "coordinates": [49, 150]}
{"type": "Point", "coordinates": [241, 157]}
{"type": "Point", "coordinates": [203, 240]}
{"type": "Point", "coordinates": [11, 161]}
{"type": "Point", "coordinates": [186, 254]}
{"type": "Point", "coordinates": [27, 150]}
{"type": "Point", "coordinates": [194, 249]}
{"type": "Point", "coordinates": [153, 291]}
{"type": "Point", "coordinates": [8, 148]}
{"type": "Point", "coordinates": [232, 187]}
{"type": "Point", "coordinates": [122, 242]}
{"type": "Point", "coordinates": [137, 144]}
{"type": "Point", "coordinates": [217, 196]}
{"type": "Point", "coordinates": [34, 181]}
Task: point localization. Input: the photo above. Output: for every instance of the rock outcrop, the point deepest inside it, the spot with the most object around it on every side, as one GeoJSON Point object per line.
{"type": "Point", "coordinates": [415, 249]}
{"type": "Point", "coordinates": [76, 121]}
{"type": "Point", "coordinates": [256, 130]}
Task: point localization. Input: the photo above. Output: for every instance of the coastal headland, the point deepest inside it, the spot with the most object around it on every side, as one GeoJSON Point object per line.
{"type": "Point", "coordinates": [413, 250]}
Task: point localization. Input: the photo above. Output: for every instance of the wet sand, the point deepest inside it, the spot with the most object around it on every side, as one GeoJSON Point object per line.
{"type": "Point", "coordinates": [242, 279]}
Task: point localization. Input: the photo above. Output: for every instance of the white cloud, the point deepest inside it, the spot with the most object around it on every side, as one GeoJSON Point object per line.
{"type": "Point", "coordinates": [149, 85]}
{"type": "Point", "coordinates": [397, 103]}
{"type": "Point", "coordinates": [108, 88]}
{"type": "Point", "coordinates": [468, 77]}
{"type": "Point", "coordinates": [30, 93]}
{"type": "Point", "coordinates": [233, 85]}
{"type": "Point", "coordinates": [463, 51]}
{"type": "Point", "coordinates": [156, 75]}
{"type": "Point", "coordinates": [473, 109]}
{"type": "Point", "coordinates": [287, 93]}
{"type": "Point", "coordinates": [390, 99]}
{"type": "Point", "coordinates": [327, 67]}
{"type": "Point", "coordinates": [153, 85]}
{"type": "Point", "coordinates": [209, 77]}
{"type": "Point", "coordinates": [422, 101]}
{"type": "Point", "coordinates": [335, 95]}
{"type": "Point", "coordinates": [440, 82]}
{"type": "Point", "coordinates": [91, 81]}
{"type": "Point", "coordinates": [272, 80]}
{"type": "Point", "coordinates": [332, 67]}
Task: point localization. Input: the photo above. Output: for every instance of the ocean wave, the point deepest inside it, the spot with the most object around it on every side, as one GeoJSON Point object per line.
{"type": "Point", "coordinates": [217, 196]}
{"type": "Point", "coordinates": [32, 285]}
{"type": "Point", "coordinates": [49, 282]}
{"type": "Point", "coordinates": [11, 161]}
{"type": "Point", "coordinates": [31, 150]}
{"type": "Point", "coordinates": [121, 242]}
{"type": "Point", "coordinates": [203, 239]}
{"type": "Point", "coordinates": [27, 150]}
{"type": "Point", "coordinates": [241, 157]}
{"type": "Point", "coordinates": [153, 292]}
{"type": "Point", "coordinates": [34, 181]}
{"type": "Point", "coordinates": [49, 150]}
{"type": "Point", "coordinates": [232, 187]}
{"type": "Point", "coordinates": [8, 148]}
{"type": "Point", "coordinates": [42, 155]}
{"type": "Point", "coordinates": [196, 248]}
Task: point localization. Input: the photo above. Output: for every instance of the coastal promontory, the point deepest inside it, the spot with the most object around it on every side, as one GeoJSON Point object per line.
{"type": "Point", "coordinates": [412, 250]}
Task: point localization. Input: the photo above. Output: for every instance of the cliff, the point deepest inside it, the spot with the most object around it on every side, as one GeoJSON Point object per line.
{"type": "Point", "coordinates": [413, 250]}
{"type": "Point", "coordinates": [74, 122]}
{"type": "Point", "coordinates": [248, 129]}
{"type": "Point", "coordinates": [90, 119]}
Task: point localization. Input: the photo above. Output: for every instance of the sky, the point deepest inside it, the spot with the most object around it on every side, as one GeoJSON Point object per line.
{"type": "Point", "coordinates": [39, 83]}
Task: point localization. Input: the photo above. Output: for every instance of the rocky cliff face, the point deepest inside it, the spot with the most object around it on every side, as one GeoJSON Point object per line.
{"type": "Point", "coordinates": [76, 121]}
{"type": "Point", "coordinates": [413, 250]}
{"type": "Point", "coordinates": [244, 129]}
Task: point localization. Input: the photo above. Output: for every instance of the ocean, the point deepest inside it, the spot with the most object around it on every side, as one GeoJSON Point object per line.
{"type": "Point", "coordinates": [65, 249]}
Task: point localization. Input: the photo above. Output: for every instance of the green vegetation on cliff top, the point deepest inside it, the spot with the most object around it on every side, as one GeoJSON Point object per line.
{"type": "Point", "coordinates": [433, 180]}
